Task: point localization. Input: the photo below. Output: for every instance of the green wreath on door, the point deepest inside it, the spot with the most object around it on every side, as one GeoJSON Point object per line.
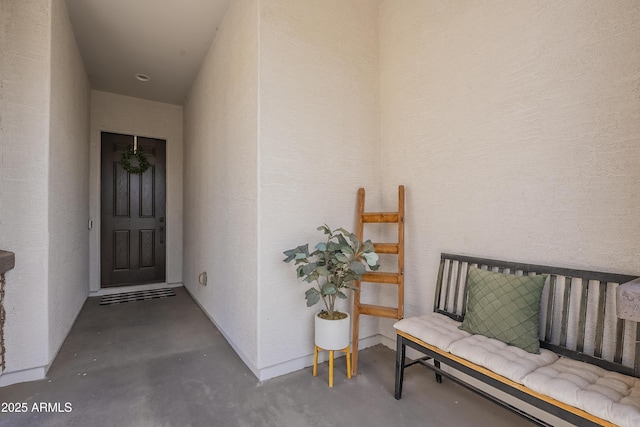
{"type": "Point", "coordinates": [129, 153]}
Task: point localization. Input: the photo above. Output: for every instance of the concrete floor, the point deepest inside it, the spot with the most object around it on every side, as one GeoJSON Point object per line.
{"type": "Point", "coordinates": [163, 363]}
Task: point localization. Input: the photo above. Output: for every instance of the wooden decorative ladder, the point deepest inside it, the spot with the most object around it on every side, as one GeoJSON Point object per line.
{"type": "Point", "coordinates": [393, 279]}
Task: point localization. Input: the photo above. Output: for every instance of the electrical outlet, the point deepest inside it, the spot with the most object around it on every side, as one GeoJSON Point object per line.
{"type": "Point", "coordinates": [202, 278]}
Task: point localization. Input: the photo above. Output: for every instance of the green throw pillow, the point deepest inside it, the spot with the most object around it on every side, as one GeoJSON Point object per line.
{"type": "Point", "coordinates": [504, 307]}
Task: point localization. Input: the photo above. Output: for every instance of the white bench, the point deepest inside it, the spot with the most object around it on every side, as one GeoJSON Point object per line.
{"type": "Point", "coordinates": [587, 370]}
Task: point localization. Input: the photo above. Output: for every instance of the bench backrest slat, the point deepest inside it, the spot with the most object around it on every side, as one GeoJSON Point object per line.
{"type": "Point", "coordinates": [578, 317]}
{"type": "Point", "coordinates": [447, 291]}
{"type": "Point", "coordinates": [456, 295]}
{"type": "Point", "coordinates": [566, 304]}
{"type": "Point", "coordinates": [582, 322]}
{"type": "Point", "coordinates": [602, 300]}
{"type": "Point", "coordinates": [436, 304]}
{"type": "Point", "coordinates": [550, 302]}
{"type": "Point", "coordinates": [617, 358]}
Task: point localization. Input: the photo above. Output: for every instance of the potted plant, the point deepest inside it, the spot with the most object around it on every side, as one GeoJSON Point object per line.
{"type": "Point", "coordinates": [332, 266]}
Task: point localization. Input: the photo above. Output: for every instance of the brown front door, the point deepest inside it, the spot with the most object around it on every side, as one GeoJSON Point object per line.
{"type": "Point", "coordinates": [132, 235]}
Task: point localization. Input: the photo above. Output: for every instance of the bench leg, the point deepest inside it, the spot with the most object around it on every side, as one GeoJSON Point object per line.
{"type": "Point", "coordinates": [436, 363]}
{"type": "Point", "coordinates": [401, 350]}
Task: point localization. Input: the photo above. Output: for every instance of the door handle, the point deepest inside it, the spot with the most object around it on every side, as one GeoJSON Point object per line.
{"type": "Point", "coordinates": [161, 235]}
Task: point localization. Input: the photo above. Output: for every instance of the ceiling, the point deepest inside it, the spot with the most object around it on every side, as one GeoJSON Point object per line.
{"type": "Point", "coordinates": [163, 39]}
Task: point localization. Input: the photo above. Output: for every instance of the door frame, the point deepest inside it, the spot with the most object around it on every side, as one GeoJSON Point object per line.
{"type": "Point", "coordinates": [172, 134]}
{"type": "Point", "coordinates": [159, 209]}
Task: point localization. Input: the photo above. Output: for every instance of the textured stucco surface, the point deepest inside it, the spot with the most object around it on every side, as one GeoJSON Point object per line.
{"type": "Point", "coordinates": [279, 135]}
{"type": "Point", "coordinates": [25, 64]}
{"type": "Point", "coordinates": [516, 128]}
{"type": "Point", "coordinates": [134, 116]}
{"type": "Point", "coordinates": [68, 177]}
{"type": "Point", "coordinates": [513, 125]}
{"type": "Point", "coordinates": [318, 144]}
{"type": "Point", "coordinates": [44, 196]}
{"type": "Point", "coordinates": [220, 191]}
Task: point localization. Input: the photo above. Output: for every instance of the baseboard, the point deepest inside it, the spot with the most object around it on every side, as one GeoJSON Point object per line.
{"type": "Point", "coordinates": [32, 374]}
{"type": "Point", "coordinates": [66, 335]}
{"type": "Point", "coordinates": [266, 373]}
{"type": "Point", "coordinates": [306, 361]}
{"type": "Point", "coordinates": [388, 342]}
{"type": "Point", "coordinates": [39, 373]}
{"type": "Point", "coordinates": [240, 354]}
{"type": "Point", "coordinates": [134, 288]}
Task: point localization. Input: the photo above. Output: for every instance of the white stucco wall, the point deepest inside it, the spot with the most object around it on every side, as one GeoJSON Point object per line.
{"type": "Point", "coordinates": [513, 125]}
{"type": "Point", "coordinates": [220, 191]}
{"type": "Point", "coordinates": [280, 131]}
{"type": "Point", "coordinates": [25, 65]}
{"type": "Point", "coordinates": [516, 128]}
{"type": "Point", "coordinates": [319, 140]}
{"type": "Point", "coordinates": [68, 180]}
{"type": "Point", "coordinates": [135, 116]}
{"type": "Point", "coordinates": [44, 171]}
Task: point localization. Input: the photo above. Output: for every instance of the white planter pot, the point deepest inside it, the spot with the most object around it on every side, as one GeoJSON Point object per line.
{"type": "Point", "coordinates": [333, 334]}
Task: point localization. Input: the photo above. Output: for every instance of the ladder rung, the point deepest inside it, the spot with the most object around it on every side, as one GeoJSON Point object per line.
{"type": "Point", "coordinates": [386, 248]}
{"type": "Point", "coordinates": [378, 310]}
{"type": "Point", "coordinates": [381, 277]}
{"type": "Point", "coordinates": [380, 217]}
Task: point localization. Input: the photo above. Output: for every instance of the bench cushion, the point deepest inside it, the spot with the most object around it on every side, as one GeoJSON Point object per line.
{"type": "Point", "coordinates": [505, 307]}
{"type": "Point", "coordinates": [509, 361]}
{"type": "Point", "coordinates": [433, 328]}
{"type": "Point", "coordinates": [609, 395]}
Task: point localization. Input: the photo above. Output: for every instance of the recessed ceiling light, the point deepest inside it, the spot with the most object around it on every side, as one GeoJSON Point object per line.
{"type": "Point", "coordinates": [142, 77]}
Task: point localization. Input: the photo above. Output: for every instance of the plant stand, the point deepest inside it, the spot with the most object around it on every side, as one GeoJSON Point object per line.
{"type": "Point", "coordinates": [346, 350]}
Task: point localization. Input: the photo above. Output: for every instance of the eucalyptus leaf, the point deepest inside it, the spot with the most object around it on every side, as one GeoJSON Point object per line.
{"type": "Point", "coordinates": [368, 246]}
{"type": "Point", "coordinates": [334, 265]}
{"type": "Point", "coordinates": [290, 256]}
{"type": "Point", "coordinates": [329, 289]}
{"type": "Point", "coordinates": [333, 246]}
{"type": "Point", "coordinates": [371, 258]}
{"type": "Point", "coordinates": [342, 257]}
{"type": "Point", "coordinates": [354, 239]}
{"type": "Point", "coordinates": [357, 267]}
{"type": "Point", "coordinates": [323, 271]}
{"type": "Point", "coordinates": [325, 228]}
{"type": "Point", "coordinates": [312, 277]}
{"type": "Point", "coordinates": [309, 268]}
{"type": "Point", "coordinates": [299, 252]}
{"type": "Point", "coordinates": [312, 296]}
{"type": "Point", "coordinates": [347, 250]}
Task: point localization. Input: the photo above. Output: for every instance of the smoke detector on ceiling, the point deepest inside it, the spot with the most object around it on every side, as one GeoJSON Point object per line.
{"type": "Point", "coordinates": [142, 77]}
